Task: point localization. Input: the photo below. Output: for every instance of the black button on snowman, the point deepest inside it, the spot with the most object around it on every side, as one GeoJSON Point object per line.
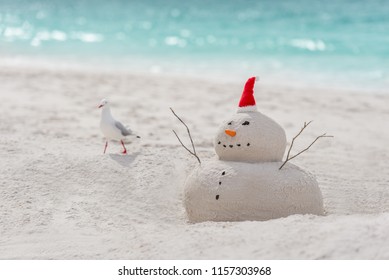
{"type": "Point", "coordinates": [244, 182]}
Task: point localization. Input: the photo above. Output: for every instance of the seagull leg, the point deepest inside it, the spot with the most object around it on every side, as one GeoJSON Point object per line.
{"type": "Point", "coordinates": [124, 147]}
{"type": "Point", "coordinates": [106, 145]}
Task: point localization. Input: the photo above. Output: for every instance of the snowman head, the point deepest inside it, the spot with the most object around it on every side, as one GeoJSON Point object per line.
{"type": "Point", "coordinates": [249, 136]}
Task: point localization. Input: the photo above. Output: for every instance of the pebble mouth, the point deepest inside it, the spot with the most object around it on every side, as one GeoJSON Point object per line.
{"type": "Point", "coordinates": [231, 146]}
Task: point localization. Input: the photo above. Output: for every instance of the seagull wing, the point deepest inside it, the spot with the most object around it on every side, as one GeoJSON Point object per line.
{"type": "Point", "coordinates": [123, 130]}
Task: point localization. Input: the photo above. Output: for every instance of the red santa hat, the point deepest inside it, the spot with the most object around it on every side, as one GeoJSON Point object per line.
{"type": "Point", "coordinates": [247, 101]}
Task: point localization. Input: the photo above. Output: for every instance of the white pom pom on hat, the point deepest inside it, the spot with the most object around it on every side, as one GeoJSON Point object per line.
{"type": "Point", "coordinates": [247, 101]}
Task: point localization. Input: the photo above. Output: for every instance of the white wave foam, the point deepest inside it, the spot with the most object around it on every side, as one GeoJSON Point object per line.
{"type": "Point", "coordinates": [88, 37]}
{"type": "Point", "coordinates": [308, 44]}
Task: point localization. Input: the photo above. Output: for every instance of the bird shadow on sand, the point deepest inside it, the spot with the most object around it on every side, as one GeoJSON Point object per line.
{"type": "Point", "coordinates": [124, 160]}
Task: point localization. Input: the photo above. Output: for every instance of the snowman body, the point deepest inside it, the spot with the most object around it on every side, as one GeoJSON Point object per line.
{"type": "Point", "coordinates": [238, 191]}
{"type": "Point", "coordinates": [244, 182]}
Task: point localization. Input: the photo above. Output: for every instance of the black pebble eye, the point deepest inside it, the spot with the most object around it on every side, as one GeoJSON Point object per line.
{"type": "Point", "coordinates": [246, 123]}
{"type": "Point", "coordinates": [230, 123]}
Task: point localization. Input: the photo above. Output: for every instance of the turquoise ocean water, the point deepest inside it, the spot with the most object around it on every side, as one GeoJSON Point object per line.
{"type": "Point", "coordinates": [340, 43]}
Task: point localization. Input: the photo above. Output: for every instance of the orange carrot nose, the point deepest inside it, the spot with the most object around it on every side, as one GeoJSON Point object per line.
{"type": "Point", "coordinates": [229, 132]}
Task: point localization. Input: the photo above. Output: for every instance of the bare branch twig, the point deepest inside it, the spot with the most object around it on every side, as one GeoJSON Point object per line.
{"type": "Point", "coordinates": [190, 137]}
{"type": "Point", "coordinates": [194, 150]}
{"type": "Point", "coordinates": [302, 151]}
{"type": "Point", "coordinates": [186, 147]}
{"type": "Point", "coordinates": [294, 138]}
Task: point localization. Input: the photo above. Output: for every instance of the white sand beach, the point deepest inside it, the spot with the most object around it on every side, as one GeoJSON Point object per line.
{"type": "Point", "coordinates": [61, 198]}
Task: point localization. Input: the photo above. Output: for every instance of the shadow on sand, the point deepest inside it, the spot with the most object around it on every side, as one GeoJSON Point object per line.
{"type": "Point", "coordinates": [124, 160]}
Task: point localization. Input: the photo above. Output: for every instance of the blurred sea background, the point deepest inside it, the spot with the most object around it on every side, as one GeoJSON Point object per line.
{"type": "Point", "coordinates": [335, 44]}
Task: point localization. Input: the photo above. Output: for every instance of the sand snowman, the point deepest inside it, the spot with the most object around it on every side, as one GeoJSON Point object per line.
{"type": "Point", "coordinates": [244, 182]}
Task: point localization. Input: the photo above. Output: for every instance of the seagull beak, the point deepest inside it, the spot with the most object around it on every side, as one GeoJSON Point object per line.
{"type": "Point", "coordinates": [229, 132]}
{"type": "Point", "coordinates": [101, 105]}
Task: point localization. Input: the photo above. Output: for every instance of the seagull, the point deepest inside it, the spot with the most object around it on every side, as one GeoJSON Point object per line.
{"type": "Point", "coordinates": [111, 128]}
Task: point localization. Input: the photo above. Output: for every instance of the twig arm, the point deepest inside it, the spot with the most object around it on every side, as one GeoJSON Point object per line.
{"type": "Point", "coordinates": [194, 154]}
{"type": "Point", "coordinates": [190, 137]}
{"type": "Point", "coordinates": [187, 129]}
{"type": "Point", "coordinates": [294, 138]}
{"type": "Point", "coordinates": [317, 138]}
{"type": "Point", "coordinates": [288, 158]}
